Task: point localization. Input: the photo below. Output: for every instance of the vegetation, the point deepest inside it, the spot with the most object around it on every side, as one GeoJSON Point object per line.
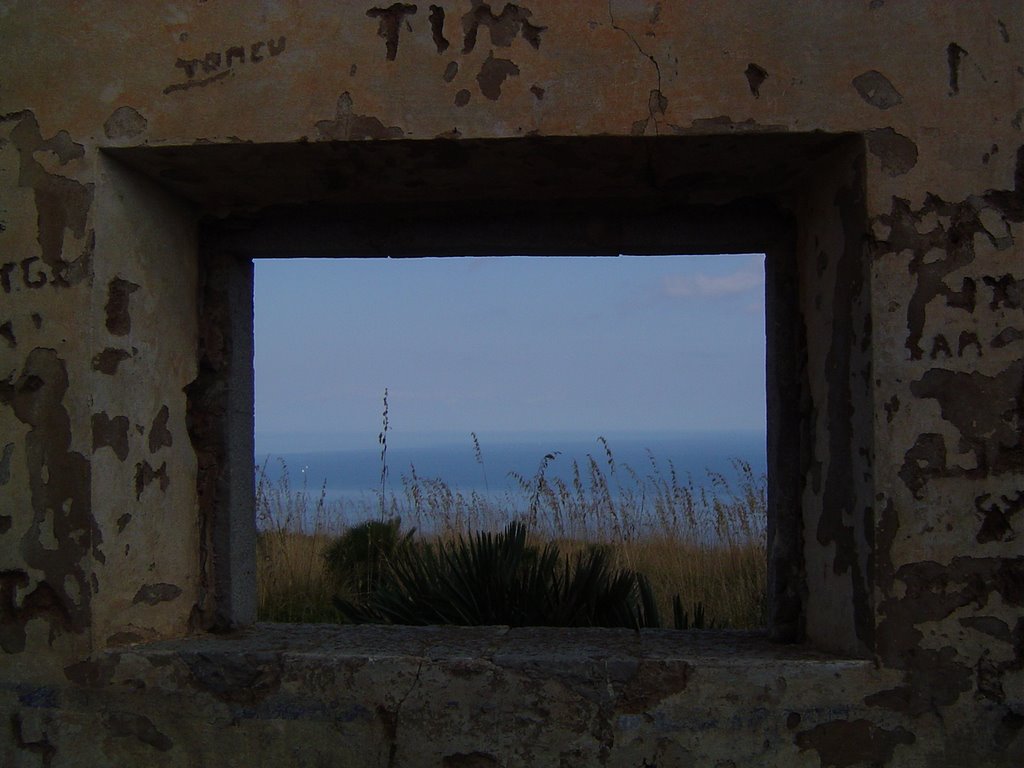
{"type": "Point", "coordinates": [294, 528]}
{"type": "Point", "coordinates": [358, 560]}
{"type": "Point", "coordinates": [501, 579]}
{"type": "Point", "coordinates": [610, 547]}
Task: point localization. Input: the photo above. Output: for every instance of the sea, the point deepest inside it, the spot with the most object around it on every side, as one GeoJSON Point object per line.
{"type": "Point", "coordinates": [490, 465]}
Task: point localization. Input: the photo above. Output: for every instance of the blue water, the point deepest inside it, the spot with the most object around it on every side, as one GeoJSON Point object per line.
{"type": "Point", "coordinates": [355, 474]}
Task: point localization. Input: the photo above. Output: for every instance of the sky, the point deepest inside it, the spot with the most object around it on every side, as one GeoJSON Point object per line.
{"type": "Point", "coordinates": [506, 345]}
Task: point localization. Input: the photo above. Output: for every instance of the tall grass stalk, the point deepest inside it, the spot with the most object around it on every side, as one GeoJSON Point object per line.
{"type": "Point", "coordinates": [382, 438]}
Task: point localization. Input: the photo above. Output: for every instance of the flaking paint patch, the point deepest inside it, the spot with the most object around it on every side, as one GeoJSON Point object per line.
{"type": "Point", "coordinates": [934, 678]}
{"type": "Point", "coordinates": [145, 474]}
{"type": "Point", "coordinates": [152, 594]}
{"type": "Point", "coordinates": [940, 348]}
{"type": "Point", "coordinates": [159, 435]}
{"type": "Point", "coordinates": [892, 407]}
{"type": "Point", "coordinates": [348, 126]}
{"type": "Point", "coordinates": [59, 482]}
{"type": "Point", "coordinates": [493, 72]}
{"type": "Point", "coordinates": [1007, 291]}
{"type": "Point", "coordinates": [924, 460]}
{"type": "Point", "coordinates": [437, 29]}
{"type": "Point", "coordinates": [119, 319]}
{"type": "Point", "coordinates": [389, 26]}
{"type": "Point", "coordinates": [512, 22]}
{"type": "Point", "coordinates": [125, 123]}
{"type": "Point", "coordinates": [934, 590]}
{"type": "Point", "coordinates": [62, 203]}
{"type": "Point", "coordinates": [954, 58]}
{"type": "Point", "coordinates": [897, 152]}
{"type": "Point", "coordinates": [845, 743]}
{"type": "Point", "coordinates": [965, 298]}
{"type": "Point", "coordinates": [7, 333]}
{"type": "Point", "coordinates": [5, 276]}
{"type": "Point", "coordinates": [43, 602]}
{"type": "Point", "coordinates": [107, 361]}
{"type": "Point", "coordinates": [969, 343]}
{"type": "Point", "coordinates": [989, 625]}
{"type": "Point", "coordinates": [110, 432]}
{"type": "Point", "coordinates": [946, 246]}
{"type": "Point", "coordinates": [997, 516]}
{"type": "Point", "coordinates": [876, 89]}
{"type": "Point", "coordinates": [756, 75]}
{"type": "Point", "coordinates": [993, 432]}
{"type": "Point", "coordinates": [5, 463]}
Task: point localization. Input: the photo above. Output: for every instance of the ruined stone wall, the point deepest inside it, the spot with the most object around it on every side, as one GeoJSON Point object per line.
{"type": "Point", "coordinates": [910, 276]}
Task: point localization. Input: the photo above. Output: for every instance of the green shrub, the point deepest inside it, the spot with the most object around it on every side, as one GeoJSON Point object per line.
{"type": "Point", "coordinates": [357, 560]}
{"type": "Point", "coordinates": [500, 578]}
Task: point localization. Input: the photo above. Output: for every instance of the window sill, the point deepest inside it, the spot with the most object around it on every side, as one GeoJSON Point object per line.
{"type": "Point", "coordinates": [435, 695]}
{"type": "Point", "coordinates": [545, 646]}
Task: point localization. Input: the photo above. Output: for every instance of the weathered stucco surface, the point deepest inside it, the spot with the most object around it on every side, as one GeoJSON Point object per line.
{"type": "Point", "coordinates": [142, 147]}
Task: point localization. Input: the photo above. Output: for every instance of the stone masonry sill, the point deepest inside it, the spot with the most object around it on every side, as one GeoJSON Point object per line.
{"type": "Point", "coordinates": [375, 695]}
{"type": "Point", "coordinates": [540, 646]}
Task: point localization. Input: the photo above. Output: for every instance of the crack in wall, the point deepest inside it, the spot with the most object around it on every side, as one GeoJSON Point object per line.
{"type": "Point", "coordinates": [389, 717]}
{"type": "Point", "coordinates": [656, 102]}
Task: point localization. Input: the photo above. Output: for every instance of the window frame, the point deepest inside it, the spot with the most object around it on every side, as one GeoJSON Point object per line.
{"type": "Point", "coordinates": [438, 197]}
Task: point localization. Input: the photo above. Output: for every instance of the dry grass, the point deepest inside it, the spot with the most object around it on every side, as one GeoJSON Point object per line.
{"type": "Point", "coordinates": [730, 582]}
{"type": "Point", "coordinates": [293, 529]}
{"type": "Point", "coordinates": [705, 544]}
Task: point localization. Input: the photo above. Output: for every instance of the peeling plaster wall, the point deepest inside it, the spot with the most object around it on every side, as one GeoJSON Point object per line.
{"type": "Point", "coordinates": [911, 282]}
{"type": "Point", "coordinates": [145, 310]}
{"type": "Point", "coordinates": [49, 535]}
{"type": "Point", "coordinates": [836, 450]}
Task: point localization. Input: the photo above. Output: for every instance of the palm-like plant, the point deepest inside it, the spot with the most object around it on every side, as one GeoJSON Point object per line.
{"type": "Point", "coordinates": [501, 579]}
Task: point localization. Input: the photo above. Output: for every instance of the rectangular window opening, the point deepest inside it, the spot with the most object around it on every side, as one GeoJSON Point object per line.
{"type": "Point", "coordinates": [614, 406]}
{"type": "Point", "coordinates": [798, 198]}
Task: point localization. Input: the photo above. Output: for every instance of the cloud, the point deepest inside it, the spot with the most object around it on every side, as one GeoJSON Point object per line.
{"type": "Point", "coordinates": [712, 286]}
